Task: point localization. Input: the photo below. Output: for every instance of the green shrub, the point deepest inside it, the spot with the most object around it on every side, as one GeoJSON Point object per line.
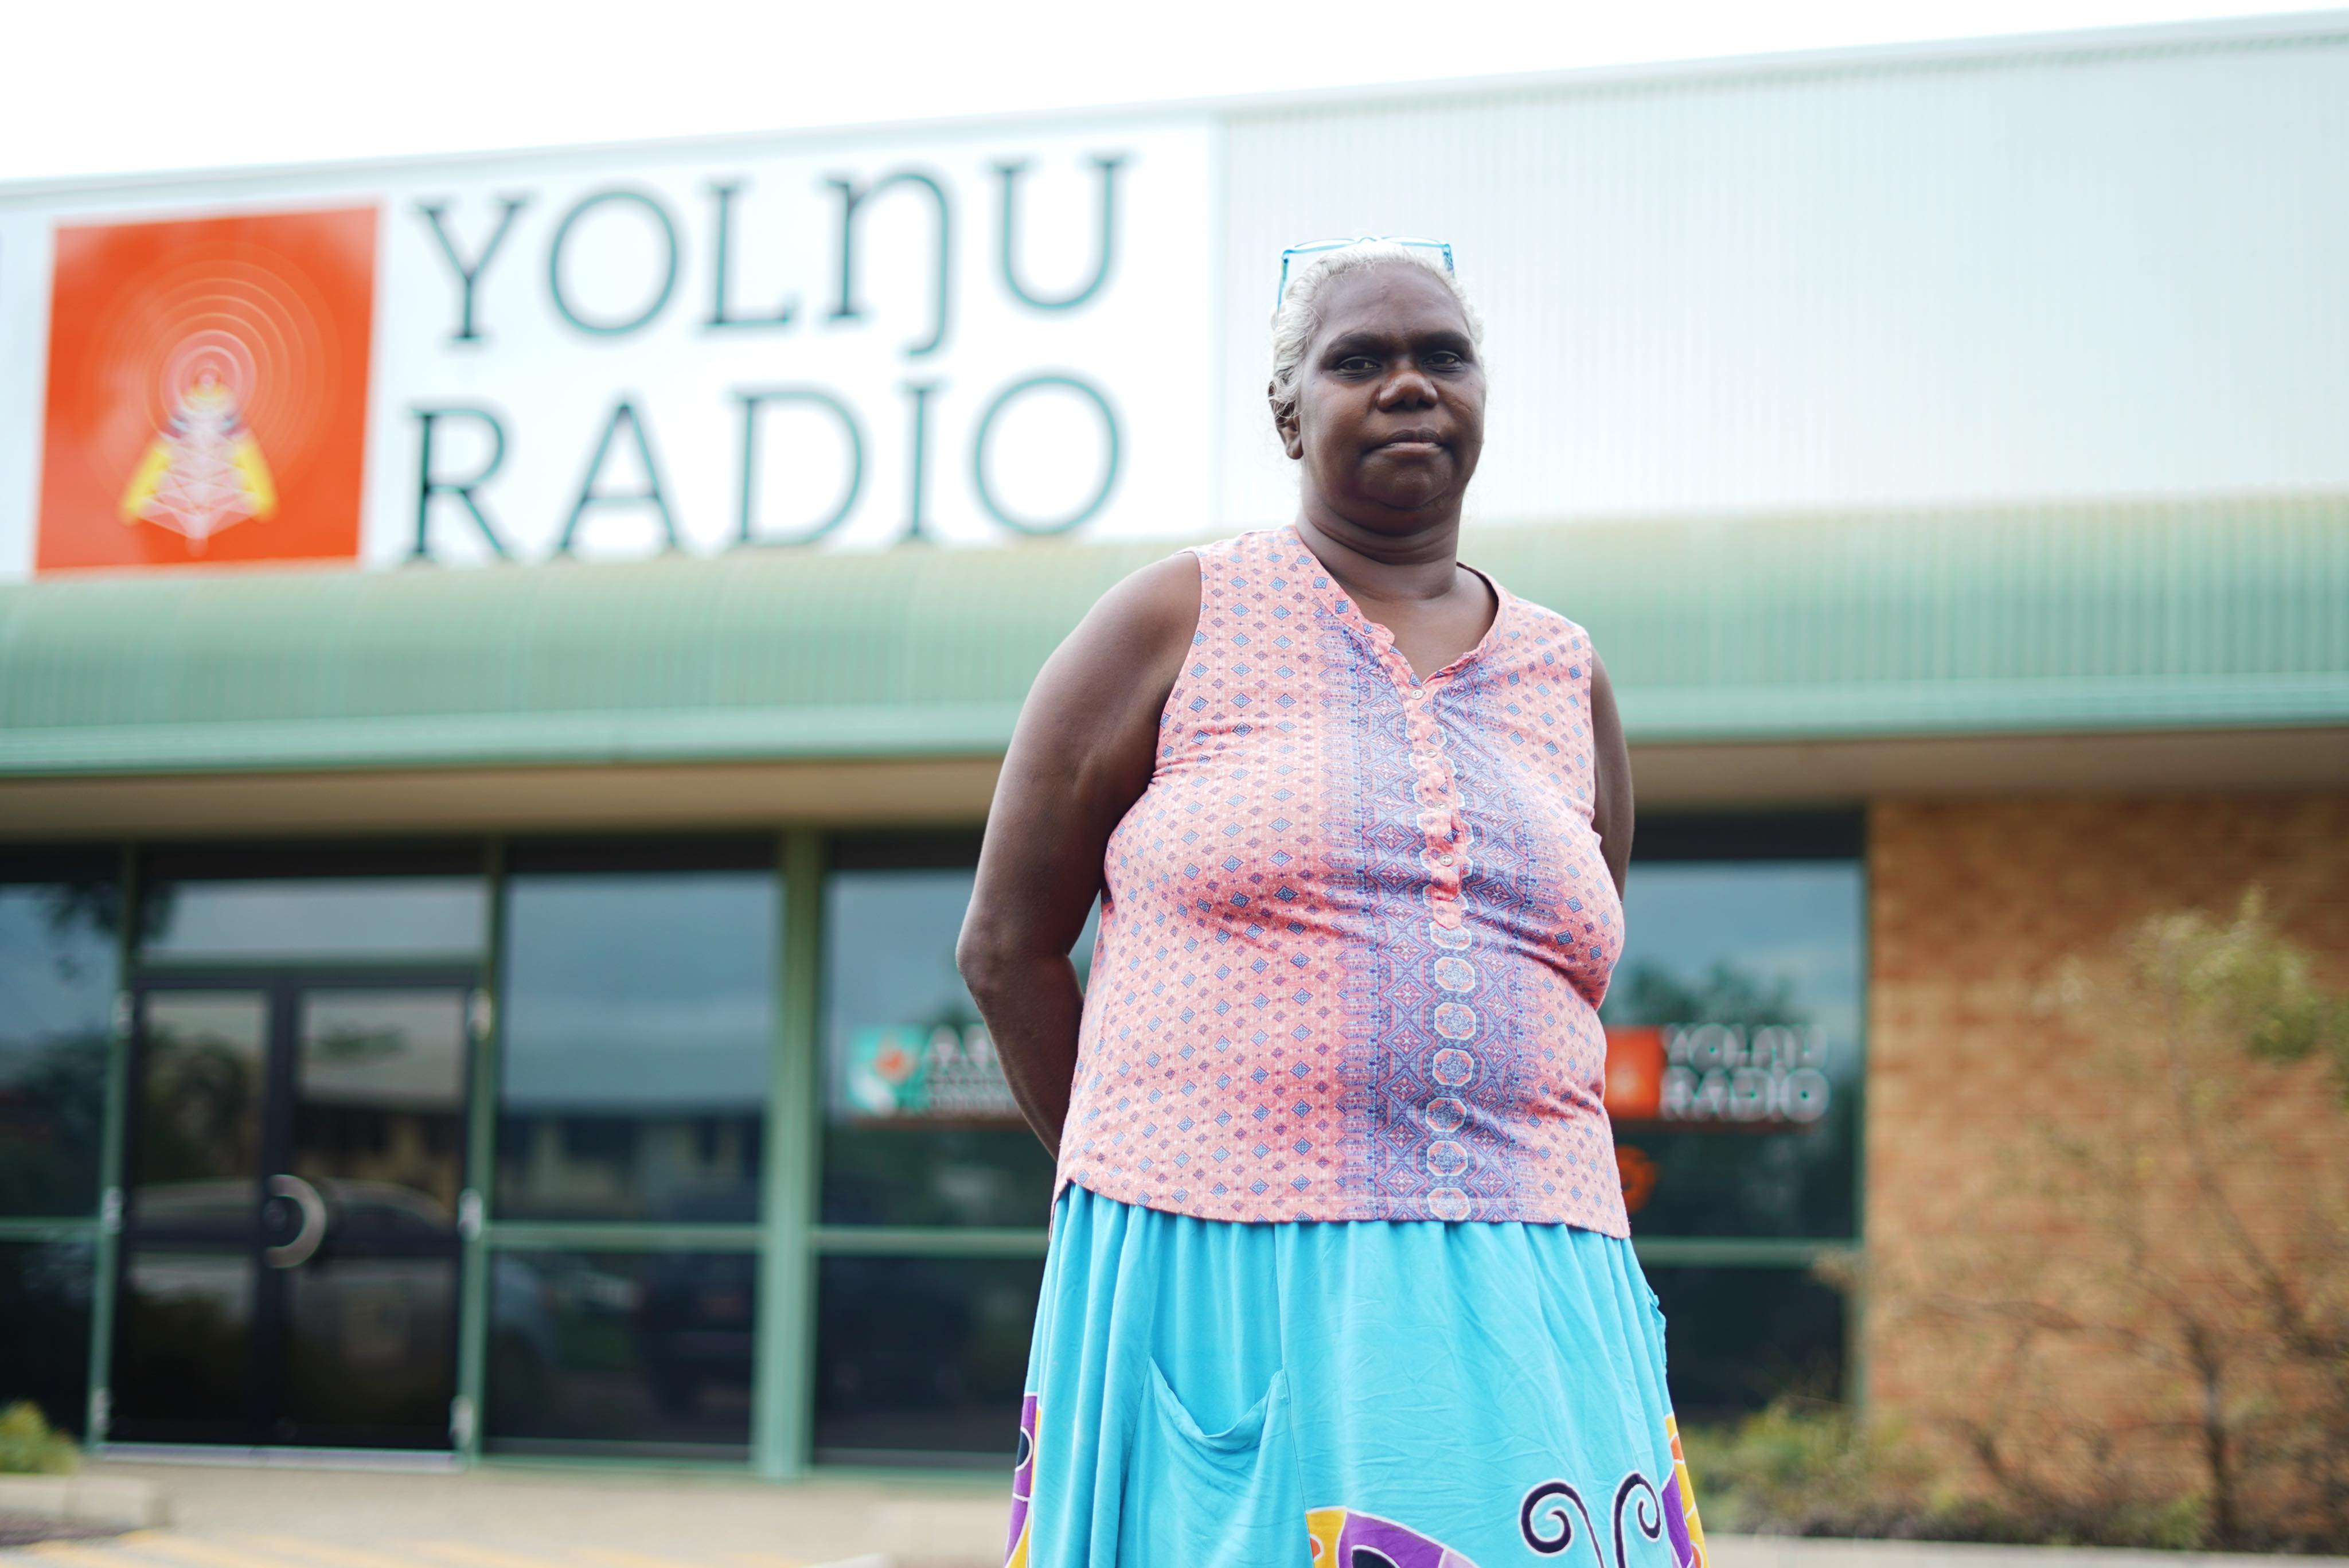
{"type": "Point", "coordinates": [30, 1446]}
{"type": "Point", "coordinates": [2152, 1309]}
{"type": "Point", "coordinates": [1800, 1467]}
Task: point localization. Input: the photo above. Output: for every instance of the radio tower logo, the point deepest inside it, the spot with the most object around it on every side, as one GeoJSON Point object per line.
{"type": "Point", "coordinates": [207, 397]}
{"type": "Point", "coordinates": [204, 471]}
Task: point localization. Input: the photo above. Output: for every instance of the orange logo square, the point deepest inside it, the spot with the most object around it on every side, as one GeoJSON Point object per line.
{"type": "Point", "coordinates": [207, 396]}
{"type": "Point", "coordinates": [1635, 1072]}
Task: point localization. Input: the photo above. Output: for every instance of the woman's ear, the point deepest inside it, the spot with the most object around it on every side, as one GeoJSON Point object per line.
{"type": "Point", "coordinates": [1285, 421]}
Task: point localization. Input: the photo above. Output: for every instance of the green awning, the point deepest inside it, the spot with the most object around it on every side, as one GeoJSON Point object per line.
{"type": "Point", "coordinates": [2224, 613]}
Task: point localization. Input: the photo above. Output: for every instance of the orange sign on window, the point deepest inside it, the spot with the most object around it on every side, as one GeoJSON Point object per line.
{"type": "Point", "coordinates": [207, 396]}
{"type": "Point", "coordinates": [1635, 1072]}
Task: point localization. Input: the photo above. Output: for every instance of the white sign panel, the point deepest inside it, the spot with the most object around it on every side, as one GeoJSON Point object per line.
{"type": "Point", "coordinates": [961, 340]}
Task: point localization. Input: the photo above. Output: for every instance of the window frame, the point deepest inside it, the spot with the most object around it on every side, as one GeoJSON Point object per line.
{"type": "Point", "coordinates": [788, 1239]}
{"type": "Point", "coordinates": [1726, 837]}
{"type": "Point", "coordinates": [51, 866]}
{"type": "Point", "coordinates": [930, 850]}
{"type": "Point", "coordinates": [773, 1239]}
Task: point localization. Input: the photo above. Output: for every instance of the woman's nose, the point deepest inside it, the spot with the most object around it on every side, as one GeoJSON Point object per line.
{"type": "Point", "coordinates": [1407, 388]}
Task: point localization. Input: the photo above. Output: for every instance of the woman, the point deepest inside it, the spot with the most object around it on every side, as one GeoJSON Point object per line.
{"type": "Point", "coordinates": [1339, 1273]}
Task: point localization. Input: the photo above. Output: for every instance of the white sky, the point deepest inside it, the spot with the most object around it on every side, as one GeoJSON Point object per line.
{"type": "Point", "coordinates": [126, 85]}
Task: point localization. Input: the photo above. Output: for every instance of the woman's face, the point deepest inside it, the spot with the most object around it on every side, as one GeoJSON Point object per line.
{"type": "Point", "coordinates": [1390, 415]}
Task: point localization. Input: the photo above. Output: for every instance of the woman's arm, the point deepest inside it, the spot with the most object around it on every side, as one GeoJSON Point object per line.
{"type": "Point", "coordinates": [1611, 812]}
{"type": "Point", "coordinates": [1082, 753]}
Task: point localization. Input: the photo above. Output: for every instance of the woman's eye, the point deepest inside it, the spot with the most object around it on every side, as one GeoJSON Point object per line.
{"type": "Point", "coordinates": [1444, 359]}
{"type": "Point", "coordinates": [1357, 364]}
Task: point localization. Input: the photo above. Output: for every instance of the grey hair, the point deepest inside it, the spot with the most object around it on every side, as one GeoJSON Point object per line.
{"type": "Point", "coordinates": [1298, 318]}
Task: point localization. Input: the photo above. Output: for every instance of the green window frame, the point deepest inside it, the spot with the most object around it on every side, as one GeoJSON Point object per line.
{"type": "Point", "coordinates": [787, 1239]}
{"type": "Point", "coordinates": [781, 1339]}
{"type": "Point", "coordinates": [100, 1228]}
{"type": "Point", "coordinates": [1722, 837]}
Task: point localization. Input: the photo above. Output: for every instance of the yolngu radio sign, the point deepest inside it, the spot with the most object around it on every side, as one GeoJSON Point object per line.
{"type": "Point", "coordinates": [722, 311]}
{"type": "Point", "coordinates": [963, 338]}
{"type": "Point", "coordinates": [917, 348]}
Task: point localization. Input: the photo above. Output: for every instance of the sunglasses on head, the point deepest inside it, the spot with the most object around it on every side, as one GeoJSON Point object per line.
{"type": "Point", "coordinates": [1321, 247]}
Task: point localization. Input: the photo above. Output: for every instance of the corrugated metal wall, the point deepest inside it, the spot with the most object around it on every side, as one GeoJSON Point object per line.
{"type": "Point", "coordinates": [2050, 273]}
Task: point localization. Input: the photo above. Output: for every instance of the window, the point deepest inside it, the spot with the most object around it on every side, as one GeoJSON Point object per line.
{"type": "Point", "coordinates": [44, 1290]}
{"type": "Point", "coordinates": [921, 1346]}
{"type": "Point", "coordinates": [622, 1352]}
{"type": "Point", "coordinates": [1734, 1031]}
{"type": "Point", "coordinates": [184, 1353]}
{"type": "Point", "coordinates": [314, 904]}
{"type": "Point", "coordinates": [919, 1126]}
{"type": "Point", "coordinates": [923, 1359]}
{"type": "Point", "coordinates": [1741, 1337]}
{"type": "Point", "coordinates": [640, 1017]}
{"type": "Point", "coordinates": [639, 1038]}
{"type": "Point", "coordinates": [58, 982]}
{"type": "Point", "coordinates": [1734, 1076]}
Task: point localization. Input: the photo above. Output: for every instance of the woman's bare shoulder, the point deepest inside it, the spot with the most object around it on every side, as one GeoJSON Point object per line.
{"type": "Point", "coordinates": [1139, 628]}
{"type": "Point", "coordinates": [1161, 599]}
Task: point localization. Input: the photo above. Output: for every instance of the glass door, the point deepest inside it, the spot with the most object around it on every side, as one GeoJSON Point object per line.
{"type": "Point", "coordinates": [291, 1249]}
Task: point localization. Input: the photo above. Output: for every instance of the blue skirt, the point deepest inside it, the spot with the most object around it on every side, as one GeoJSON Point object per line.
{"type": "Point", "coordinates": [1363, 1395]}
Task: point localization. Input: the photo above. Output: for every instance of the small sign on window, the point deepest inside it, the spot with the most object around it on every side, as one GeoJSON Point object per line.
{"type": "Point", "coordinates": [934, 1074]}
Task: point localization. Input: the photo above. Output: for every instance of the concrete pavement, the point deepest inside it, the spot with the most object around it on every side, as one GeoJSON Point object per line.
{"type": "Point", "coordinates": [273, 1516]}
{"type": "Point", "coordinates": [499, 1516]}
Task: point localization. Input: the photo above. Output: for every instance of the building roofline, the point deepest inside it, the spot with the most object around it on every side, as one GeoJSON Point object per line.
{"type": "Point", "coordinates": [2209, 613]}
{"type": "Point", "coordinates": [2205, 36]}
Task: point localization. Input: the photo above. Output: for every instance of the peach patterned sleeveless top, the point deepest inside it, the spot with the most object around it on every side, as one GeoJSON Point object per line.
{"type": "Point", "coordinates": [1357, 927]}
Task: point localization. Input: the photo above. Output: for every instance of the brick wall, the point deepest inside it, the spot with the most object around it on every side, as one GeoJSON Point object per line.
{"type": "Point", "coordinates": [1974, 906]}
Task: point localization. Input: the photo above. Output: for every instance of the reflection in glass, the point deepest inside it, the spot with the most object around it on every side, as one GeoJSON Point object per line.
{"type": "Point", "coordinates": [1742, 1337]}
{"type": "Point", "coordinates": [183, 1364]}
{"type": "Point", "coordinates": [920, 1128]}
{"type": "Point", "coordinates": [315, 919]}
{"type": "Point", "coordinates": [630, 1352]}
{"type": "Point", "coordinates": [639, 1025]}
{"type": "Point", "coordinates": [45, 1328]}
{"type": "Point", "coordinates": [56, 998]}
{"type": "Point", "coordinates": [379, 1095]}
{"type": "Point", "coordinates": [370, 1350]}
{"type": "Point", "coordinates": [921, 1360]}
{"type": "Point", "coordinates": [1733, 1059]}
{"type": "Point", "coordinates": [203, 1058]}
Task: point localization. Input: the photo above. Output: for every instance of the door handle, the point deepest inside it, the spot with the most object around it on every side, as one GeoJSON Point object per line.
{"type": "Point", "coordinates": [295, 1253]}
